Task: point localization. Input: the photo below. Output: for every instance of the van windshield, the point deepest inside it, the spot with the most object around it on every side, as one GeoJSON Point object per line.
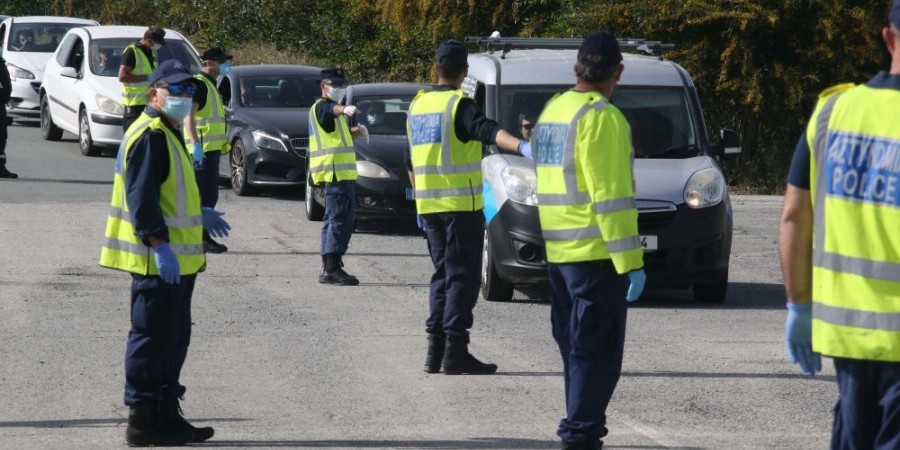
{"type": "Point", "coordinates": [662, 125]}
{"type": "Point", "coordinates": [106, 55]}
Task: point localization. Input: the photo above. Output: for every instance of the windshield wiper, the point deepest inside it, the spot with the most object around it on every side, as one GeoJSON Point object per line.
{"type": "Point", "coordinates": [673, 152]}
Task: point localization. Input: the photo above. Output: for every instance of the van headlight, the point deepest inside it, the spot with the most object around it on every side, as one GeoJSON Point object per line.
{"type": "Point", "coordinates": [109, 105]}
{"type": "Point", "coordinates": [369, 169]}
{"type": "Point", "coordinates": [266, 140]}
{"type": "Point", "coordinates": [520, 184]}
{"type": "Point", "coordinates": [18, 72]}
{"type": "Point", "coordinates": [705, 188]}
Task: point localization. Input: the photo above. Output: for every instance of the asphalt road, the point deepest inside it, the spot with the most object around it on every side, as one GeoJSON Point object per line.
{"type": "Point", "coordinates": [280, 361]}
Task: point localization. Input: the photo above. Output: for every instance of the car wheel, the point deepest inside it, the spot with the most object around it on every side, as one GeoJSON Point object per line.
{"type": "Point", "coordinates": [85, 141]}
{"type": "Point", "coordinates": [239, 170]}
{"type": "Point", "coordinates": [314, 211]}
{"type": "Point", "coordinates": [49, 131]}
{"type": "Point", "coordinates": [714, 292]}
{"type": "Point", "coordinates": [493, 289]}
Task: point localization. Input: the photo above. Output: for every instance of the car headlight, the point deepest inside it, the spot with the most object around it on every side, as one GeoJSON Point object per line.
{"type": "Point", "coordinates": [520, 184]}
{"type": "Point", "coordinates": [369, 169]}
{"type": "Point", "coordinates": [17, 72]}
{"type": "Point", "coordinates": [266, 140]}
{"type": "Point", "coordinates": [109, 105]}
{"type": "Point", "coordinates": [705, 188]}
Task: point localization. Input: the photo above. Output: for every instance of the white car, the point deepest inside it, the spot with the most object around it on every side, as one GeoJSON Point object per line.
{"type": "Point", "coordinates": [83, 97]}
{"type": "Point", "coordinates": [27, 44]}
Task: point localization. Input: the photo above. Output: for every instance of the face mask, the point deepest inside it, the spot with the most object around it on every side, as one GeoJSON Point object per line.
{"type": "Point", "coordinates": [373, 118]}
{"type": "Point", "coordinates": [155, 47]}
{"type": "Point", "coordinates": [336, 94]}
{"type": "Point", "coordinates": [177, 108]}
{"type": "Point", "coordinates": [224, 69]}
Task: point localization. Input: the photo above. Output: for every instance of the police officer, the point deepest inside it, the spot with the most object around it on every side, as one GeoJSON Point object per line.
{"type": "Point", "coordinates": [138, 60]}
{"type": "Point", "coordinates": [5, 92]}
{"type": "Point", "coordinates": [446, 131]}
{"type": "Point", "coordinates": [332, 161]}
{"type": "Point", "coordinates": [840, 251]}
{"type": "Point", "coordinates": [154, 232]}
{"type": "Point", "coordinates": [588, 214]}
{"type": "Point", "coordinates": [205, 131]}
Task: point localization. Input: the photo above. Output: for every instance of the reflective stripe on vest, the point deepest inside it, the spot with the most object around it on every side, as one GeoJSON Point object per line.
{"type": "Point", "coordinates": [135, 94]}
{"type": "Point", "coordinates": [210, 120]}
{"type": "Point", "coordinates": [332, 156]}
{"type": "Point", "coordinates": [447, 171]}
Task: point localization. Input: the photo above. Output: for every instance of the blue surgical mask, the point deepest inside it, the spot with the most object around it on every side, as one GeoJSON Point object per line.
{"type": "Point", "coordinates": [336, 94]}
{"type": "Point", "coordinates": [155, 47]}
{"type": "Point", "coordinates": [224, 69]}
{"type": "Point", "coordinates": [177, 108]}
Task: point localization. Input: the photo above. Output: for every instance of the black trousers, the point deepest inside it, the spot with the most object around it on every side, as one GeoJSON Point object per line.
{"type": "Point", "coordinates": [131, 114]}
{"type": "Point", "coordinates": [2, 134]}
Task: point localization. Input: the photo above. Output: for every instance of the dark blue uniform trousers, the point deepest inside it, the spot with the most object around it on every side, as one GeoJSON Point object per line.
{"type": "Point", "coordinates": [455, 241]}
{"type": "Point", "coordinates": [867, 415]}
{"type": "Point", "coordinates": [208, 179]}
{"type": "Point", "coordinates": [588, 313]}
{"type": "Point", "coordinates": [159, 338]}
{"type": "Point", "coordinates": [340, 198]}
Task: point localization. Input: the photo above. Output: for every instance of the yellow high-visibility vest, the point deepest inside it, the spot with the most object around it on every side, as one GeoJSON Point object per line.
{"type": "Point", "coordinates": [585, 182]}
{"type": "Point", "coordinates": [447, 171]}
{"type": "Point", "coordinates": [331, 155]}
{"type": "Point", "coordinates": [855, 186]}
{"type": "Point", "coordinates": [180, 203]}
{"type": "Point", "coordinates": [210, 121]}
{"type": "Point", "coordinates": [135, 94]}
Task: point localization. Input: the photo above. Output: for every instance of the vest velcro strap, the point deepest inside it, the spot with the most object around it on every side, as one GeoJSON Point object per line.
{"type": "Point", "coordinates": [171, 222]}
{"type": "Point", "coordinates": [615, 205]}
{"type": "Point", "coordinates": [857, 266]}
{"type": "Point", "coordinates": [210, 120]}
{"type": "Point", "coordinates": [855, 318]}
{"type": "Point", "coordinates": [441, 193]}
{"type": "Point", "coordinates": [566, 199]}
{"type": "Point", "coordinates": [448, 170]}
{"type": "Point", "coordinates": [141, 249]}
{"type": "Point", "coordinates": [332, 151]}
{"type": "Point", "coordinates": [335, 167]}
{"type": "Point", "coordinates": [213, 138]}
{"type": "Point", "coordinates": [571, 234]}
{"type": "Point", "coordinates": [133, 95]}
{"type": "Point", "coordinates": [624, 244]}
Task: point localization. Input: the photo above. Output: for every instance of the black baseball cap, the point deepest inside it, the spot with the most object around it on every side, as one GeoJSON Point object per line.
{"type": "Point", "coordinates": [452, 53]}
{"type": "Point", "coordinates": [216, 54]}
{"type": "Point", "coordinates": [156, 33]}
{"type": "Point", "coordinates": [600, 50]}
{"type": "Point", "coordinates": [335, 75]}
{"type": "Point", "coordinates": [894, 16]}
{"type": "Point", "coordinates": [171, 71]}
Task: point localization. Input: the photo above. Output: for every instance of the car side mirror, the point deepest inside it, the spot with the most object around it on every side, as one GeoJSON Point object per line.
{"type": "Point", "coordinates": [68, 72]}
{"type": "Point", "coordinates": [729, 144]}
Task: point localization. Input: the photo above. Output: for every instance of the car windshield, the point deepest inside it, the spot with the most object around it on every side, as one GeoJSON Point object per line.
{"type": "Point", "coordinates": [384, 115]}
{"type": "Point", "coordinates": [279, 91]}
{"type": "Point", "coordinates": [662, 125]}
{"type": "Point", "coordinates": [37, 37]}
{"type": "Point", "coordinates": [106, 55]}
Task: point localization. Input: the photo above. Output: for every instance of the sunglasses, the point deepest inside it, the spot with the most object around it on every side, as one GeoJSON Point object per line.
{"type": "Point", "coordinates": [528, 126]}
{"type": "Point", "coordinates": [179, 89]}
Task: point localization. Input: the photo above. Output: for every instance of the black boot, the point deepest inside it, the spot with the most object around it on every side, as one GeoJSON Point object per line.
{"type": "Point", "coordinates": [334, 273]}
{"type": "Point", "coordinates": [147, 429]}
{"type": "Point", "coordinates": [4, 173]}
{"type": "Point", "coordinates": [436, 343]}
{"type": "Point", "coordinates": [173, 417]}
{"type": "Point", "coordinates": [458, 360]}
{"type": "Point", "coordinates": [582, 445]}
{"type": "Point", "coordinates": [211, 246]}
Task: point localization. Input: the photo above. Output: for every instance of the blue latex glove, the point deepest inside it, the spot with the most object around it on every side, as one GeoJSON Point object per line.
{"type": "Point", "coordinates": [167, 264]}
{"type": "Point", "coordinates": [637, 278]}
{"type": "Point", "coordinates": [420, 221]}
{"type": "Point", "coordinates": [525, 149]}
{"type": "Point", "coordinates": [798, 335]}
{"type": "Point", "coordinates": [197, 154]}
{"type": "Point", "coordinates": [214, 223]}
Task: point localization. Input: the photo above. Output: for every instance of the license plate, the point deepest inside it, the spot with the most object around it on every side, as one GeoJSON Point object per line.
{"type": "Point", "coordinates": [410, 194]}
{"type": "Point", "coordinates": [649, 243]}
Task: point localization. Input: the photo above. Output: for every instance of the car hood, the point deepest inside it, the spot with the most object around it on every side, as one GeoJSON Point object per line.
{"type": "Point", "coordinates": [278, 121]}
{"type": "Point", "coordinates": [388, 151]}
{"type": "Point", "coordinates": [30, 61]}
{"type": "Point", "coordinates": [108, 87]}
{"type": "Point", "coordinates": [663, 180]}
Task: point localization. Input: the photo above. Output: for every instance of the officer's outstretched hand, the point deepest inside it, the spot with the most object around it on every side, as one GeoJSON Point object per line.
{"type": "Point", "coordinates": [167, 264]}
{"type": "Point", "coordinates": [798, 335]}
{"type": "Point", "coordinates": [197, 153]}
{"type": "Point", "coordinates": [637, 279]}
{"type": "Point", "coordinates": [349, 110]}
{"type": "Point", "coordinates": [214, 223]}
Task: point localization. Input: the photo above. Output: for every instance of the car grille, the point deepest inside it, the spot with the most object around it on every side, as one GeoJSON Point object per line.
{"type": "Point", "coordinates": [300, 146]}
{"type": "Point", "coordinates": [653, 221]}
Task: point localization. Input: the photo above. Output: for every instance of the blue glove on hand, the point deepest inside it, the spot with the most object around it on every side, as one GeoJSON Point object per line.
{"type": "Point", "coordinates": [197, 154]}
{"type": "Point", "coordinates": [798, 335]}
{"type": "Point", "coordinates": [637, 278]}
{"type": "Point", "coordinates": [420, 221]}
{"type": "Point", "coordinates": [525, 149]}
{"type": "Point", "coordinates": [167, 264]}
{"type": "Point", "coordinates": [214, 223]}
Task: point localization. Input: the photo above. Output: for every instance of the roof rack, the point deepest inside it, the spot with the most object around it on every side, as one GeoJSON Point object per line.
{"type": "Point", "coordinates": [505, 44]}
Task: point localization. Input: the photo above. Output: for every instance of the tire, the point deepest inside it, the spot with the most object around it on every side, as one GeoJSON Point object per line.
{"type": "Point", "coordinates": [49, 131]}
{"type": "Point", "coordinates": [85, 140]}
{"type": "Point", "coordinates": [493, 289]}
{"type": "Point", "coordinates": [712, 293]}
{"type": "Point", "coordinates": [239, 170]}
{"type": "Point", "coordinates": [314, 211]}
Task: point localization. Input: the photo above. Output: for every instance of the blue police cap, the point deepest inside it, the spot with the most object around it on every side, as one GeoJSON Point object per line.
{"type": "Point", "coordinates": [895, 14]}
{"type": "Point", "coordinates": [171, 71]}
{"type": "Point", "coordinates": [335, 75]}
{"type": "Point", "coordinates": [452, 53]}
{"type": "Point", "coordinates": [600, 50]}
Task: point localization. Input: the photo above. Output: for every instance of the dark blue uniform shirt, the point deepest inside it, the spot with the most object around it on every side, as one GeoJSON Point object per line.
{"type": "Point", "coordinates": [798, 175]}
{"type": "Point", "coordinates": [146, 169]}
{"type": "Point", "coordinates": [325, 115]}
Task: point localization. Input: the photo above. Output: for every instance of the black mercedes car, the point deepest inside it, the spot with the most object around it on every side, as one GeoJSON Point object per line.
{"type": "Point", "coordinates": [383, 190]}
{"type": "Point", "coordinates": [267, 107]}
